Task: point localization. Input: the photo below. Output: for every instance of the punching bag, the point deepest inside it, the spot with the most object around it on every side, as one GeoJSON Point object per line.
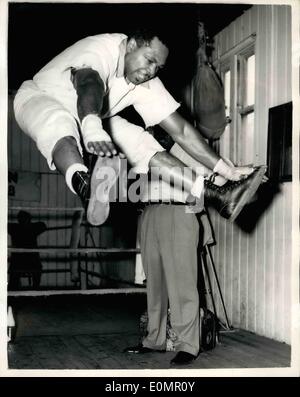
{"type": "Point", "coordinates": [208, 102]}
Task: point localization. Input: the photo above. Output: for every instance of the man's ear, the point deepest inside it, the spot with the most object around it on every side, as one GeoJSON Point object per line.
{"type": "Point", "coordinates": [131, 45]}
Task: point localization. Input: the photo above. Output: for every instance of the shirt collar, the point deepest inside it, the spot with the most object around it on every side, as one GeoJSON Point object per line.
{"type": "Point", "coordinates": [121, 61]}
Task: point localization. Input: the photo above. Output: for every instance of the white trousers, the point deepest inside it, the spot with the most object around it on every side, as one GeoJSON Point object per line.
{"type": "Point", "coordinates": [46, 121]}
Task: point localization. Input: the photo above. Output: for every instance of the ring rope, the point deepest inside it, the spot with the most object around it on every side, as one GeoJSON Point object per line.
{"type": "Point", "coordinates": [74, 250]}
{"type": "Point", "coordinates": [138, 290]}
{"type": "Point", "coordinates": [70, 209]}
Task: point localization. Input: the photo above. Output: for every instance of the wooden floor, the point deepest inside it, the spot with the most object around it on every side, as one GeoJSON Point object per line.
{"type": "Point", "coordinates": [90, 332]}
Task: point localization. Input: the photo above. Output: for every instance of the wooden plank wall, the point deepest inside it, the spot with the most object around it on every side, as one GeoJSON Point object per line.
{"type": "Point", "coordinates": [255, 269]}
{"type": "Point", "coordinates": [24, 156]}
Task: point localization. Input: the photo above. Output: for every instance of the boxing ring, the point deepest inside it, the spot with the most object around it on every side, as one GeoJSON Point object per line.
{"type": "Point", "coordinates": [79, 271]}
{"type": "Point", "coordinates": [78, 268]}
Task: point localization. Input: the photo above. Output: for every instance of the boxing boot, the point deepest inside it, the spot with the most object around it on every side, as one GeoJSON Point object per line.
{"type": "Point", "coordinates": [230, 198]}
{"type": "Point", "coordinates": [94, 190]}
{"type": "Point", "coordinates": [81, 185]}
{"type": "Point", "coordinates": [104, 175]}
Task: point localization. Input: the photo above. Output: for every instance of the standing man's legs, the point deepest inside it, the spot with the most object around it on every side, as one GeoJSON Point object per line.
{"type": "Point", "coordinates": [157, 297]}
{"type": "Point", "coordinates": [169, 241]}
{"type": "Point", "coordinates": [179, 236]}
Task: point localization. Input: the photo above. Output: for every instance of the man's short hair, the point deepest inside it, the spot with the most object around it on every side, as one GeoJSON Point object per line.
{"type": "Point", "coordinates": [144, 36]}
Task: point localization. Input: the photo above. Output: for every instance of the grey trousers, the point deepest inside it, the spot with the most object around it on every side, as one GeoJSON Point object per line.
{"type": "Point", "coordinates": [169, 240]}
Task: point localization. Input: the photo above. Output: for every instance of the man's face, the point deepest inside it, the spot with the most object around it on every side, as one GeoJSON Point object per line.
{"type": "Point", "coordinates": [143, 63]}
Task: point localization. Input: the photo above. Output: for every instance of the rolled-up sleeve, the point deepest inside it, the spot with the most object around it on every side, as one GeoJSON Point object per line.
{"type": "Point", "coordinates": [99, 58]}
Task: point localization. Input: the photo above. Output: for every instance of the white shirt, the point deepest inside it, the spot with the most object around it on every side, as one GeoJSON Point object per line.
{"type": "Point", "coordinates": [105, 54]}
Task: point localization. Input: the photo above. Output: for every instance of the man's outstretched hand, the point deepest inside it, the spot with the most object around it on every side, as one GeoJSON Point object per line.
{"type": "Point", "coordinates": [234, 173]}
{"type": "Point", "coordinates": [238, 173]}
{"type": "Point", "coordinates": [244, 171]}
{"type": "Point", "coordinates": [103, 149]}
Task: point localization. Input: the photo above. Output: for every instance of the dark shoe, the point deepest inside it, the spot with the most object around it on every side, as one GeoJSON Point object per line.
{"type": "Point", "coordinates": [230, 198]}
{"type": "Point", "coordinates": [81, 183]}
{"type": "Point", "coordinates": [183, 358]}
{"type": "Point", "coordinates": [139, 349]}
{"type": "Point", "coordinates": [104, 176]}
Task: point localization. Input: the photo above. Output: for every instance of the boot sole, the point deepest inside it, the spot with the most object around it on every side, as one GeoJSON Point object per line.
{"type": "Point", "coordinates": [101, 184]}
{"type": "Point", "coordinates": [249, 193]}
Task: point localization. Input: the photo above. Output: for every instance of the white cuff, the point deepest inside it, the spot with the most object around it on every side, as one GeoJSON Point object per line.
{"type": "Point", "coordinates": [92, 130]}
{"type": "Point", "coordinates": [223, 169]}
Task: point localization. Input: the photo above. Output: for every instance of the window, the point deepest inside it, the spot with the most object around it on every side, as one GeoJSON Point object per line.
{"type": "Point", "coordinates": [225, 138]}
{"type": "Point", "coordinates": [245, 108]}
{"type": "Point", "coordinates": [237, 70]}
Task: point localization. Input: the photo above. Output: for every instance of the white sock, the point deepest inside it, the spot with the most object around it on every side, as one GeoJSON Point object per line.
{"type": "Point", "coordinates": [71, 171]}
{"type": "Point", "coordinates": [198, 186]}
